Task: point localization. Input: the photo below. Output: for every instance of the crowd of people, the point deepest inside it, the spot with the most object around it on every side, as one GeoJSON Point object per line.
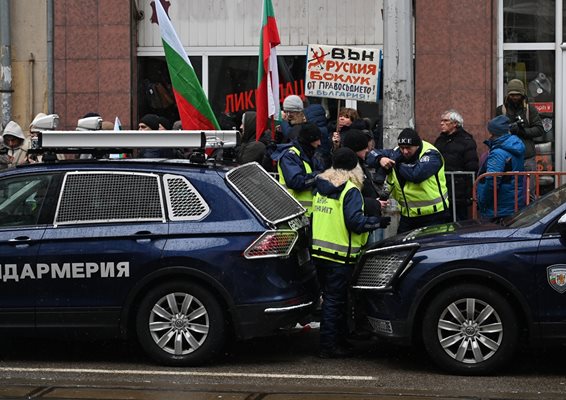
{"type": "Point", "coordinates": [336, 172]}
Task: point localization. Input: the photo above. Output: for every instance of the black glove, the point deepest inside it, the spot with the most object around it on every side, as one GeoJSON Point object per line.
{"type": "Point", "coordinates": [384, 222]}
{"type": "Point", "coordinates": [514, 127]}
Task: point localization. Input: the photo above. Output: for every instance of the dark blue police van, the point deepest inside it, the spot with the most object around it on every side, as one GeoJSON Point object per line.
{"type": "Point", "coordinates": [179, 256]}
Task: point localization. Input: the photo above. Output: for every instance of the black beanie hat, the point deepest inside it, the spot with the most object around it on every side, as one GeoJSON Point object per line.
{"type": "Point", "coordinates": [165, 123]}
{"type": "Point", "coordinates": [356, 140]}
{"type": "Point", "coordinates": [151, 120]}
{"type": "Point", "coordinates": [344, 158]}
{"type": "Point", "coordinates": [409, 137]}
{"type": "Point", "coordinates": [309, 133]}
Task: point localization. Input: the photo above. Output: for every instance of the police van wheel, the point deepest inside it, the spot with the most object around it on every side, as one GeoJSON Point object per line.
{"type": "Point", "coordinates": [180, 324]}
{"type": "Point", "coordinates": [470, 329]}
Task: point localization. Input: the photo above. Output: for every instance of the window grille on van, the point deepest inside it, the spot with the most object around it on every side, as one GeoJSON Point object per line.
{"type": "Point", "coordinates": [380, 266]}
{"type": "Point", "coordinates": [184, 202]}
{"type": "Point", "coordinates": [265, 194]}
{"type": "Point", "coordinates": [101, 196]}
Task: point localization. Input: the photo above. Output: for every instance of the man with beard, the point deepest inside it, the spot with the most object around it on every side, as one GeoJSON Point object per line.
{"type": "Point", "coordinates": [415, 176]}
{"type": "Point", "coordinates": [297, 166]}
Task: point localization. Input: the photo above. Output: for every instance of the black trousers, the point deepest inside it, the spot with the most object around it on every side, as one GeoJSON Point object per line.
{"type": "Point", "coordinates": [334, 279]}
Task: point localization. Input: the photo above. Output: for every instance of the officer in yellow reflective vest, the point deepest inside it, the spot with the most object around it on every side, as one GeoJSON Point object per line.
{"type": "Point", "coordinates": [340, 230]}
{"type": "Point", "coordinates": [297, 166]}
{"type": "Point", "coordinates": [416, 180]}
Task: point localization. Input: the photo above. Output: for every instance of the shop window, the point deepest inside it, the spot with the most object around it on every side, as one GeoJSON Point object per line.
{"type": "Point", "coordinates": [233, 80]}
{"type": "Point", "coordinates": [536, 69]}
{"type": "Point", "coordinates": [155, 94]}
{"type": "Point", "coordinates": [527, 21]}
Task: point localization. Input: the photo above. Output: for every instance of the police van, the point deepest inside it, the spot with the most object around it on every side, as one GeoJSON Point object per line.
{"type": "Point", "coordinates": [177, 255]}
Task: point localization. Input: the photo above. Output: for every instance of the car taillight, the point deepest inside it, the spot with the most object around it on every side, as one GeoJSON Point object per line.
{"type": "Point", "coordinates": [272, 244]}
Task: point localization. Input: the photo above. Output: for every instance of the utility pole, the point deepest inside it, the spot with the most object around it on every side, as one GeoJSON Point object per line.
{"type": "Point", "coordinates": [5, 64]}
{"type": "Point", "coordinates": [398, 93]}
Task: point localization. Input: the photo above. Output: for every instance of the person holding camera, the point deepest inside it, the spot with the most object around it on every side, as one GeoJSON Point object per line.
{"type": "Point", "coordinates": [525, 122]}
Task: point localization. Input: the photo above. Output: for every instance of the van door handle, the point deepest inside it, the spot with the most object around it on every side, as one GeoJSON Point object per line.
{"type": "Point", "coordinates": [20, 241]}
{"type": "Point", "coordinates": [142, 236]}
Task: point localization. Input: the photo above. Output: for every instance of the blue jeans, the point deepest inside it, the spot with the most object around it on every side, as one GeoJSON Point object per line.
{"type": "Point", "coordinates": [334, 279]}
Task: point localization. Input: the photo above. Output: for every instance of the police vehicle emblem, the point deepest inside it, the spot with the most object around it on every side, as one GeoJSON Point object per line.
{"type": "Point", "coordinates": [556, 275]}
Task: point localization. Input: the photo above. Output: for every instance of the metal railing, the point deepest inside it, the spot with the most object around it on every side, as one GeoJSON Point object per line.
{"type": "Point", "coordinates": [450, 182]}
{"type": "Point", "coordinates": [538, 176]}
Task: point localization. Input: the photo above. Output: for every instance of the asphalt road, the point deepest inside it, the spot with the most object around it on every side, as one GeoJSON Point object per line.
{"type": "Point", "coordinates": [275, 368]}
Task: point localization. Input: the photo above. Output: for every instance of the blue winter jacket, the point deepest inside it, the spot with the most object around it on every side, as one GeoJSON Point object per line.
{"type": "Point", "coordinates": [506, 153]}
{"type": "Point", "coordinates": [292, 166]}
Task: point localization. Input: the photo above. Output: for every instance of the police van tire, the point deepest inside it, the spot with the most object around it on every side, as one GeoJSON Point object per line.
{"type": "Point", "coordinates": [181, 324]}
{"type": "Point", "coordinates": [470, 329]}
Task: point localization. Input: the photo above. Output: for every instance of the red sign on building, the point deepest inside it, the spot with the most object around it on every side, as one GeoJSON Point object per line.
{"type": "Point", "coordinates": [544, 108]}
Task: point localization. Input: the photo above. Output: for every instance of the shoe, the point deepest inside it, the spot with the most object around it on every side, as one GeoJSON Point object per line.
{"type": "Point", "coordinates": [336, 352]}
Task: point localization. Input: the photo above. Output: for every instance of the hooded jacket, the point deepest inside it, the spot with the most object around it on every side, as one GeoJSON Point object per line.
{"type": "Point", "coordinates": [532, 127]}
{"type": "Point", "coordinates": [11, 157]}
{"type": "Point", "coordinates": [331, 182]}
{"type": "Point", "coordinates": [505, 154]}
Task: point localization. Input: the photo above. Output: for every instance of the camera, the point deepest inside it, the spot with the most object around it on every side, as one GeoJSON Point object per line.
{"type": "Point", "coordinates": [519, 121]}
{"type": "Point", "coordinates": [517, 124]}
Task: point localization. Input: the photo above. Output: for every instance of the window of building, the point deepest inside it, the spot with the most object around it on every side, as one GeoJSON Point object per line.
{"type": "Point", "coordinates": [529, 21]}
{"type": "Point", "coordinates": [528, 54]}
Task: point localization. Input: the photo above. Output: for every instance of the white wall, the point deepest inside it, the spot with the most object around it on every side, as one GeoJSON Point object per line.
{"type": "Point", "coordinates": [232, 26]}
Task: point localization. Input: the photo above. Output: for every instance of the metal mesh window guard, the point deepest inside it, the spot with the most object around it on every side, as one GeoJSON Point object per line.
{"type": "Point", "coordinates": [109, 197]}
{"type": "Point", "coordinates": [265, 194]}
{"type": "Point", "coordinates": [184, 202]}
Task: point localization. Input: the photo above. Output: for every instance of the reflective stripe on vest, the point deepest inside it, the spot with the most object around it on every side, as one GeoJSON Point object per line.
{"type": "Point", "coordinates": [427, 197]}
{"type": "Point", "coordinates": [304, 197]}
{"type": "Point", "coordinates": [331, 238]}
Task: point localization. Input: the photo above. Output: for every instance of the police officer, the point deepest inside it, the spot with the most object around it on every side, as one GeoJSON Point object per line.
{"type": "Point", "coordinates": [340, 231]}
{"type": "Point", "coordinates": [415, 175]}
{"type": "Point", "coordinates": [297, 166]}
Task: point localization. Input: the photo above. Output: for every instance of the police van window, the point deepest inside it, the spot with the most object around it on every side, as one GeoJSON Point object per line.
{"type": "Point", "coordinates": [101, 197]}
{"type": "Point", "coordinates": [21, 200]}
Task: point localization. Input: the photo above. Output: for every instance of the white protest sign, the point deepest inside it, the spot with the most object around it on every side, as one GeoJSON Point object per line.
{"type": "Point", "coordinates": [349, 73]}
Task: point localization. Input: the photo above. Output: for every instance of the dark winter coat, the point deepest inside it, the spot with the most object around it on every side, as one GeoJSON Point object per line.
{"type": "Point", "coordinates": [532, 123]}
{"type": "Point", "coordinates": [505, 154]}
{"type": "Point", "coordinates": [460, 153]}
{"type": "Point", "coordinates": [251, 150]}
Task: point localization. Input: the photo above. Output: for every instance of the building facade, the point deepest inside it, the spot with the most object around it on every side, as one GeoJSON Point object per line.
{"type": "Point", "coordinates": [107, 57]}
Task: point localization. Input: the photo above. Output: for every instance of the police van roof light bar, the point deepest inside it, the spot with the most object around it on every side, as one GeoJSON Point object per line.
{"type": "Point", "coordinates": [99, 139]}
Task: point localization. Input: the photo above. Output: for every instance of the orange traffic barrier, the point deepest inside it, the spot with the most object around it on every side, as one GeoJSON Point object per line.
{"type": "Point", "coordinates": [538, 176]}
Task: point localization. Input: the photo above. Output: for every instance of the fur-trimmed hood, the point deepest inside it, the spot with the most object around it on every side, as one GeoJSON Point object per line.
{"type": "Point", "coordinates": [333, 180]}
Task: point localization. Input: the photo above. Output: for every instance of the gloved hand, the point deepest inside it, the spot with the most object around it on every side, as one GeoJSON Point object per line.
{"type": "Point", "coordinates": [384, 222]}
{"type": "Point", "coordinates": [514, 127]}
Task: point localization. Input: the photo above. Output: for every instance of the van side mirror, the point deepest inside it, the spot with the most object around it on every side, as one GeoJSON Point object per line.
{"type": "Point", "coordinates": [561, 225]}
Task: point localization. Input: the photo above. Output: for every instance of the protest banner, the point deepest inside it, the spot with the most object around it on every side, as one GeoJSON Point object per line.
{"type": "Point", "coordinates": [339, 72]}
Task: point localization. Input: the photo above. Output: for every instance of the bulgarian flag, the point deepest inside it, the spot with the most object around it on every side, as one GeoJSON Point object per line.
{"type": "Point", "coordinates": [194, 108]}
{"type": "Point", "coordinates": [267, 92]}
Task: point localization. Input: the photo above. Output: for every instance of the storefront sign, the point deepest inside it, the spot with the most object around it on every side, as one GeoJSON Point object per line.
{"type": "Point", "coordinates": [544, 108]}
{"type": "Point", "coordinates": [349, 73]}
